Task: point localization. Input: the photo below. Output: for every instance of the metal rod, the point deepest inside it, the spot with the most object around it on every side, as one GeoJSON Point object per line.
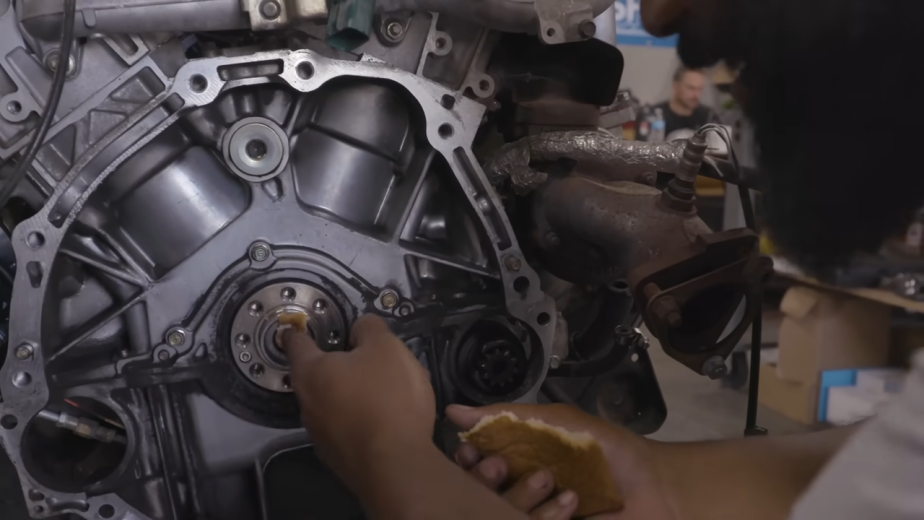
{"type": "Point", "coordinates": [107, 267]}
{"type": "Point", "coordinates": [104, 319]}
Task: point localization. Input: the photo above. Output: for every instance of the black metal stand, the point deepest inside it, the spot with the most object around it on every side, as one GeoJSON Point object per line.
{"type": "Point", "coordinates": [751, 428]}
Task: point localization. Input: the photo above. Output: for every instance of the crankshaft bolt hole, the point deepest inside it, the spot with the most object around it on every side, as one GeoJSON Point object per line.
{"type": "Point", "coordinates": [198, 83]}
{"type": "Point", "coordinates": [22, 379]}
{"type": "Point", "coordinates": [14, 107]}
{"type": "Point", "coordinates": [257, 370]}
{"type": "Point", "coordinates": [106, 511]}
{"type": "Point", "coordinates": [304, 70]}
{"type": "Point", "coordinates": [35, 240]}
{"type": "Point", "coordinates": [521, 284]}
{"type": "Point", "coordinates": [8, 422]}
{"type": "Point", "coordinates": [543, 318]}
{"type": "Point", "coordinates": [446, 130]}
{"type": "Point", "coordinates": [255, 149]}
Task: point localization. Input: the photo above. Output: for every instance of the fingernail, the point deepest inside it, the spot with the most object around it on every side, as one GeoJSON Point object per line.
{"type": "Point", "coordinates": [566, 499]}
{"type": "Point", "coordinates": [539, 480]}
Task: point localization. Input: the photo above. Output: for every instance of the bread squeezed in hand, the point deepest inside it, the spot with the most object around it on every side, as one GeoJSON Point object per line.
{"type": "Point", "coordinates": [575, 459]}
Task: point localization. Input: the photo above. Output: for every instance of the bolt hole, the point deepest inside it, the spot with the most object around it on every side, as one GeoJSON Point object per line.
{"type": "Point", "coordinates": [35, 240]}
{"type": "Point", "coordinates": [286, 381]}
{"type": "Point", "coordinates": [521, 284]}
{"type": "Point", "coordinates": [550, 32]}
{"type": "Point", "coordinates": [255, 149]}
{"type": "Point", "coordinates": [8, 422]}
{"type": "Point", "coordinates": [198, 83]}
{"type": "Point", "coordinates": [257, 370]}
{"type": "Point", "coordinates": [440, 43]}
{"type": "Point", "coordinates": [634, 358]}
{"type": "Point", "coordinates": [448, 102]}
{"type": "Point", "coordinates": [38, 510]}
{"type": "Point", "coordinates": [484, 85]}
{"type": "Point", "coordinates": [14, 107]}
{"type": "Point", "coordinates": [446, 130]}
{"type": "Point", "coordinates": [543, 318]}
{"type": "Point", "coordinates": [304, 70]}
{"type": "Point", "coordinates": [22, 379]}
{"type": "Point", "coordinates": [106, 511]}
{"type": "Point", "coordinates": [620, 285]}
{"type": "Point", "coordinates": [36, 495]}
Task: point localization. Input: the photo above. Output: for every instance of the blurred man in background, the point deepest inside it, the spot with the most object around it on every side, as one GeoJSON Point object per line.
{"type": "Point", "coordinates": [683, 111]}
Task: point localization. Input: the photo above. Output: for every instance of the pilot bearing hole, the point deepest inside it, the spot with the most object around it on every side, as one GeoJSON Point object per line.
{"type": "Point", "coordinates": [9, 422]}
{"type": "Point", "coordinates": [543, 318]}
{"type": "Point", "coordinates": [255, 149]}
{"type": "Point", "coordinates": [35, 240]}
{"type": "Point", "coordinates": [304, 70]}
{"type": "Point", "coordinates": [198, 83]}
{"type": "Point", "coordinates": [446, 130]}
{"type": "Point", "coordinates": [106, 511]}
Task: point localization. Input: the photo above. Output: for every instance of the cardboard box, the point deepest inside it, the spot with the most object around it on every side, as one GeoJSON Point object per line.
{"type": "Point", "coordinates": [795, 400]}
{"type": "Point", "coordinates": [849, 404]}
{"type": "Point", "coordinates": [824, 330]}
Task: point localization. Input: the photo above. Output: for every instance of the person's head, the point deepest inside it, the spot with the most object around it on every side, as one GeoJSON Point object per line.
{"type": "Point", "coordinates": [834, 94]}
{"type": "Point", "coordinates": [688, 87]}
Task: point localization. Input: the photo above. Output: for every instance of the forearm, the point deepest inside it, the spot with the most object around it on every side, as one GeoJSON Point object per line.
{"type": "Point", "coordinates": [417, 482]}
{"type": "Point", "coordinates": [756, 478]}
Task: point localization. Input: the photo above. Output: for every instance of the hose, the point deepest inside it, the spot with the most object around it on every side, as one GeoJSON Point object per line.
{"type": "Point", "coordinates": [54, 96]}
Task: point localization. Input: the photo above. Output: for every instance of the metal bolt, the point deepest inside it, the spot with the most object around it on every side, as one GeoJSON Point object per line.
{"type": "Point", "coordinates": [552, 239]}
{"type": "Point", "coordinates": [483, 204]}
{"type": "Point", "coordinates": [256, 370]}
{"type": "Point", "coordinates": [666, 308]}
{"type": "Point", "coordinates": [24, 352]}
{"type": "Point", "coordinates": [389, 299]}
{"type": "Point", "coordinates": [513, 263]}
{"type": "Point", "coordinates": [333, 337]}
{"type": "Point", "coordinates": [269, 9]}
{"type": "Point", "coordinates": [394, 30]}
{"type": "Point", "coordinates": [288, 293]}
{"type": "Point", "coordinates": [54, 59]}
{"type": "Point", "coordinates": [404, 310]}
{"type": "Point", "coordinates": [320, 306]}
{"type": "Point", "coordinates": [245, 357]}
{"type": "Point", "coordinates": [259, 252]}
{"type": "Point", "coordinates": [554, 362]}
{"type": "Point", "coordinates": [587, 29]}
{"type": "Point", "coordinates": [176, 338]}
{"type": "Point", "coordinates": [255, 308]}
{"type": "Point", "coordinates": [163, 355]}
{"type": "Point", "coordinates": [714, 367]}
{"type": "Point", "coordinates": [243, 340]}
{"type": "Point", "coordinates": [124, 353]}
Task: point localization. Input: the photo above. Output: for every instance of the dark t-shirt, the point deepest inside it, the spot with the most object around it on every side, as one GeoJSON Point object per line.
{"type": "Point", "coordinates": [672, 122]}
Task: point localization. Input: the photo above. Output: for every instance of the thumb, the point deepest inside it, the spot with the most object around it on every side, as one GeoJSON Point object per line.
{"type": "Point", "coordinates": [299, 348]}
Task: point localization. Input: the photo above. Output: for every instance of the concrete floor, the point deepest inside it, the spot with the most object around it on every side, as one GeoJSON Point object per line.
{"type": "Point", "coordinates": [700, 409]}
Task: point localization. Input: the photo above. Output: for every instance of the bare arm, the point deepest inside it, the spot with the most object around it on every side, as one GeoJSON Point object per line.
{"type": "Point", "coordinates": [756, 478]}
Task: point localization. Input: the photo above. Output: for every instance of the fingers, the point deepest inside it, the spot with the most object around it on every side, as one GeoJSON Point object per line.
{"type": "Point", "coordinates": [491, 472]}
{"type": "Point", "coordinates": [299, 348]}
{"type": "Point", "coordinates": [531, 491]}
{"type": "Point", "coordinates": [467, 456]}
{"type": "Point", "coordinates": [368, 330]}
{"type": "Point", "coordinates": [559, 508]}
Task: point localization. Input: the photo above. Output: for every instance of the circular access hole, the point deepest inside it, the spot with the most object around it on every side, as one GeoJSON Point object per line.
{"type": "Point", "coordinates": [448, 101]}
{"type": "Point", "coordinates": [484, 85]}
{"type": "Point", "coordinates": [440, 43]}
{"type": "Point", "coordinates": [14, 107]}
{"type": "Point", "coordinates": [446, 130]}
{"type": "Point", "coordinates": [634, 358]}
{"type": "Point", "coordinates": [22, 379]}
{"type": "Point", "coordinates": [550, 32]}
{"type": "Point", "coordinates": [304, 70]}
{"type": "Point", "coordinates": [8, 422]}
{"type": "Point", "coordinates": [106, 511]}
{"type": "Point", "coordinates": [198, 83]}
{"type": "Point", "coordinates": [543, 318]}
{"type": "Point", "coordinates": [35, 240]}
{"type": "Point", "coordinates": [60, 460]}
{"type": "Point", "coordinates": [255, 149]}
{"type": "Point", "coordinates": [620, 285]}
{"type": "Point", "coordinates": [521, 284]}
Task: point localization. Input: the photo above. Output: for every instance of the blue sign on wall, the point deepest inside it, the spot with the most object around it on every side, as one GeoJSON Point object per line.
{"type": "Point", "coordinates": [629, 30]}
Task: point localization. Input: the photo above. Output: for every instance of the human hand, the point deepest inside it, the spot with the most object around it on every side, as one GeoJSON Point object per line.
{"type": "Point", "coordinates": [376, 396]}
{"type": "Point", "coordinates": [629, 458]}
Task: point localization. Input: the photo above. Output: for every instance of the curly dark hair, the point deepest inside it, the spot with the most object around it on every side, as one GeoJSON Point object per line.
{"type": "Point", "coordinates": [835, 89]}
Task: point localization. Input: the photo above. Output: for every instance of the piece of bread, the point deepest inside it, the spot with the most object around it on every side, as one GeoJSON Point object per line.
{"type": "Point", "coordinates": [575, 459]}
